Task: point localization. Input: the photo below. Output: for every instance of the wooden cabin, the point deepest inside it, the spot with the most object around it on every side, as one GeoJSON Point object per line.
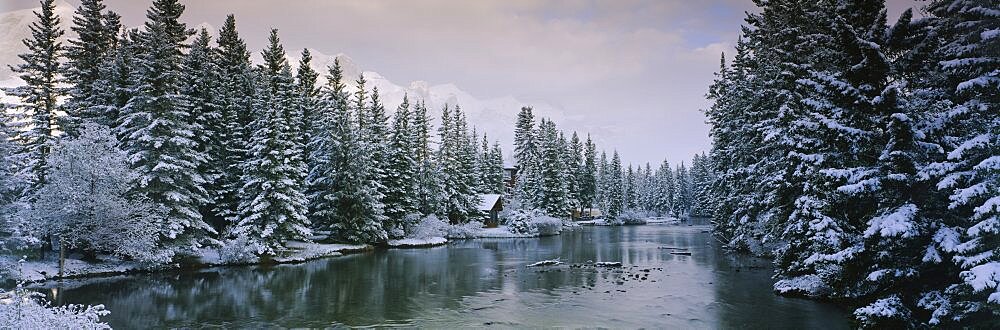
{"type": "Point", "coordinates": [491, 205]}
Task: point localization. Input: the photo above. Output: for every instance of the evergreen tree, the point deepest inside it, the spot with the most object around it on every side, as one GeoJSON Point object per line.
{"type": "Point", "coordinates": [664, 195]}
{"type": "Point", "coordinates": [36, 123]}
{"type": "Point", "coordinates": [201, 86]}
{"type": "Point", "coordinates": [272, 207]}
{"type": "Point", "coordinates": [682, 191]}
{"type": "Point", "coordinates": [157, 130]}
{"type": "Point", "coordinates": [427, 184]}
{"type": "Point", "coordinates": [401, 171]}
{"type": "Point", "coordinates": [968, 57]}
{"type": "Point", "coordinates": [526, 152]}
{"type": "Point", "coordinates": [305, 85]}
{"type": "Point", "coordinates": [588, 175]}
{"type": "Point", "coordinates": [85, 55]}
{"type": "Point", "coordinates": [344, 200]}
{"type": "Point", "coordinates": [573, 158]}
{"type": "Point", "coordinates": [614, 192]}
{"type": "Point", "coordinates": [456, 158]}
{"type": "Point", "coordinates": [554, 194]}
{"type": "Point", "coordinates": [237, 93]}
{"type": "Point", "coordinates": [629, 189]}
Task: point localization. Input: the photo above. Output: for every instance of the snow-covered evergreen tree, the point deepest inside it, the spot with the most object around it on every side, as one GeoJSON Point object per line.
{"type": "Point", "coordinates": [201, 85]}
{"type": "Point", "coordinates": [36, 124]}
{"type": "Point", "coordinates": [272, 207]}
{"type": "Point", "coordinates": [237, 93]}
{"type": "Point", "coordinates": [157, 129]}
{"type": "Point", "coordinates": [428, 186]}
{"type": "Point", "coordinates": [554, 194]}
{"type": "Point", "coordinates": [86, 54]}
{"type": "Point", "coordinates": [588, 175]}
{"type": "Point", "coordinates": [401, 170]}
{"type": "Point", "coordinates": [614, 188]}
{"type": "Point", "coordinates": [344, 198]}
{"type": "Point", "coordinates": [457, 161]}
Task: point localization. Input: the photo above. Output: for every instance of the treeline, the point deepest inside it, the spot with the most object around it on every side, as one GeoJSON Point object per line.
{"type": "Point", "coordinates": [145, 145]}
{"type": "Point", "coordinates": [562, 177]}
{"type": "Point", "coordinates": [865, 156]}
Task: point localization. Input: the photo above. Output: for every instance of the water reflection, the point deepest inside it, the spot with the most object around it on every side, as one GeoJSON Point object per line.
{"type": "Point", "coordinates": [475, 283]}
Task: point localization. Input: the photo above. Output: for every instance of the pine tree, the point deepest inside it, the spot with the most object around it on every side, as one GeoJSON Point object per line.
{"type": "Point", "coordinates": [201, 85]}
{"type": "Point", "coordinates": [401, 171]}
{"type": "Point", "coordinates": [456, 158]}
{"type": "Point", "coordinates": [427, 183]}
{"type": "Point", "coordinates": [36, 126]}
{"type": "Point", "coordinates": [157, 130]}
{"type": "Point", "coordinates": [526, 156]}
{"type": "Point", "coordinates": [588, 175]}
{"type": "Point", "coordinates": [554, 194]}
{"type": "Point", "coordinates": [682, 191]}
{"type": "Point", "coordinates": [629, 189]}
{"type": "Point", "coordinates": [968, 58]}
{"type": "Point", "coordinates": [272, 207]}
{"type": "Point", "coordinates": [237, 95]}
{"type": "Point", "coordinates": [664, 194]}
{"type": "Point", "coordinates": [345, 199]}
{"type": "Point", "coordinates": [305, 85]}
{"type": "Point", "coordinates": [614, 191]}
{"type": "Point", "coordinates": [573, 158]}
{"type": "Point", "coordinates": [96, 36]}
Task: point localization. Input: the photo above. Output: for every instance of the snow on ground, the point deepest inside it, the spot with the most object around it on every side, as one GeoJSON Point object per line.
{"type": "Point", "coordinates": [418, 242]}
{"type": "Point", "coordinates": [302, 251]}
{"type": "Point", "coordinates": [500, 232]}
{"type": "Point", "coordinates": [41, 270]}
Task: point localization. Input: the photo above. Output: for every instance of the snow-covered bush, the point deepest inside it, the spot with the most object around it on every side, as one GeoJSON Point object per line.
{"type": "Point", "coordinates": [519, 221]}
{"type": "Point", "coordinates": [547, 226]}
{"type": "Point", "coordinates": [429, 226]}
{"type": "Point", "coordinates": [24, 309]}
{"type": "Point", "coordinates": [633, 217]}
{"type": "Point", "coordinates": [466, 230]}
{"type": "Point", "coordinates": [241, 250]}
{"type": "Point", "coordinates": [86, 201]}
{"type": "Point", "coordinates": [406, 226]}
{"type": "Point", "coordinates": [532, 222]}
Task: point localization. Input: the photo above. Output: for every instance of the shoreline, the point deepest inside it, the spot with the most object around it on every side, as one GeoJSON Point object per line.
{"type": "Point", "coordinates": [38, 272]}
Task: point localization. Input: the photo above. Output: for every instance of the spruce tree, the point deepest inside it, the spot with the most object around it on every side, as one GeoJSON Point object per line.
{"type": "Point", "coordinates": [85, 55]}
{"type": "Point", "coordinates": [588, 175]}
{"type": "Point", "coordinates": [401, 172]}
{"type": "Point", "coordinates": [36, 123]}
{"type": "Point", "coordinates": [157, 131]}
{"type": "Point", "coordinates": [272, 208]}
{"type": "Point", "coordinates": [614, 192]}
{"type": "Point", "coordinates": [201, 86]}
{"type": "Point", "coordinates": [237, 95]}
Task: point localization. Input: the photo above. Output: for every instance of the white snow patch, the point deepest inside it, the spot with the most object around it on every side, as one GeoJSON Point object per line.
{"type": "Point", "coordinates": [418, 242]}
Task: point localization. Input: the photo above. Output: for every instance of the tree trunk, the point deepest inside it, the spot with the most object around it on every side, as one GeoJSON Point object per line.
{"type": "Point", "coordinates": [62, 256]}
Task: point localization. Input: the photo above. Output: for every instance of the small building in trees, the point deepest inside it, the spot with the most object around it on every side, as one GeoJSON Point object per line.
{"type": "Point", "coordinates": [491, 205]}
{"type": "Point", "coordinates": [509, 176]}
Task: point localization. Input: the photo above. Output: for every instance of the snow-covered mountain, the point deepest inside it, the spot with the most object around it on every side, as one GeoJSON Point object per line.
{"type": "Point", "coordinates": [495, 116]}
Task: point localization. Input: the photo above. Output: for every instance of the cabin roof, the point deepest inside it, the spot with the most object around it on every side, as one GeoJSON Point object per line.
{"type": "Point", "coordinates": [488, 201]}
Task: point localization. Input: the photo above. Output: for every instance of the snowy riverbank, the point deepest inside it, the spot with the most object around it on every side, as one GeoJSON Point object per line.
{"type": "Point", "coordinates": [48, 269]}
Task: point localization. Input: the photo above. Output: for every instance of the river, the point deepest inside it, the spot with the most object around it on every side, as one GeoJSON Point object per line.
{"type": "Point", "coordinates": [474, 283]}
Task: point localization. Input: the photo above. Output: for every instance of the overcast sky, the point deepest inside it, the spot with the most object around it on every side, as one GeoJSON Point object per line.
{"type": "Point", "coordinates": [640, 68]}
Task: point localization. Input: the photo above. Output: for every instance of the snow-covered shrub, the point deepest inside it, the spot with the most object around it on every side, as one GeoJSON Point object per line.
{"type": "Point", "coordinates": [520, 221]}
{"type": "Point", "coordinates": [466, 230]}
{"type": "Point", "coordinates": [533, 222]}
{"type": "Point", "coordinates": [406, 226]}
{"type": "Point", "coordinates": [429, 226]}
{"type": "Point", "coordinates": [547, 226]}
{"type": "Point", "coordinates": [241, 250]}
{"type": "Point", "coordinates": [23, 309]}
{"type": "Point", "coordinates": [633, 217]}
{"type": "Point", "coordinates": [86, 201]}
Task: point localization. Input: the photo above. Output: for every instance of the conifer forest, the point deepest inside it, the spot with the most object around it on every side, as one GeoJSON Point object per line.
{"type": "Point", "coordinates": [159, 173]}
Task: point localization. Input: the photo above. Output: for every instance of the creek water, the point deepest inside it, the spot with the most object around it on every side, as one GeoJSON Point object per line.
{"type": "Point", "coordinates": [672, 276]}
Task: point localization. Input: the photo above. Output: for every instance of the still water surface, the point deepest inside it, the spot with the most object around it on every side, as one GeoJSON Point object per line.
{"type": "Point", "coordinates": [475, 283]}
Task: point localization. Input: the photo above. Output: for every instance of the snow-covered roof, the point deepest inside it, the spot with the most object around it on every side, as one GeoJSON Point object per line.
{"type": "Point", "coordinates": [487, 201]}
